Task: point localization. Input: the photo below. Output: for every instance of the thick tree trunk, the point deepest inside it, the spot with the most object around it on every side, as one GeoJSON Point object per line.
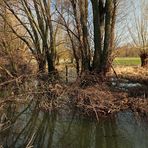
{"type": "Point", "coordinates": [42, 66]}
{"type": "Point", "coordinates": [144, 60]}
{"type": "Point", "coordinates": [97, 35]}
{"type": "Point", "coordinates": [103, 32]}
{"type": "Point", "coordinates": [107, 37]}
{"type": "Point", "coordinates": [50, 62]}
{"type": "Point", "coordinates": [112, 37]}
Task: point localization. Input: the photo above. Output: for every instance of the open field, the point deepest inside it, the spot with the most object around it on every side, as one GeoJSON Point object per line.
{"type": "Point", "coordinates": [129, 61]}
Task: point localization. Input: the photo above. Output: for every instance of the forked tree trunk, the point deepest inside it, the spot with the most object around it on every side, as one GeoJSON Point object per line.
{"type": "Point", "coordinates": [102, 18]}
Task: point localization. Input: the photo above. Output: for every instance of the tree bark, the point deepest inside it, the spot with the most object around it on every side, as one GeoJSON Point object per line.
{"type": "Point", "coordinates": [144, 60]}
{"type": "Point", "coordinates": [41, 65]}
{"type": "Point", "coordinates": [112, 37]}
{"type": "Point", "coordinates": [83, 7]}
{"type": "Point", "coordinates": [107, 37]}
{"type": "Point", "coordinates": [50, 52]}
{"type": "Point", "coordinates": [97, 36]}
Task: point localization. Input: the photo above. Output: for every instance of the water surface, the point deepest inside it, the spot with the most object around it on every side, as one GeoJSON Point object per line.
{"type": "Point", "coordinates": [26, 125]}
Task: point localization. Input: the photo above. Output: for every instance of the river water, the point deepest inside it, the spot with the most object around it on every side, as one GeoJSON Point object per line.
{"type": "Point", "coordinates": [26, 126]}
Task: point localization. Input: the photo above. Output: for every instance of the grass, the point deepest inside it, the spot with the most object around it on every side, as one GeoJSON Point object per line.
{"type": "Point", "coordinates": [127, 61]}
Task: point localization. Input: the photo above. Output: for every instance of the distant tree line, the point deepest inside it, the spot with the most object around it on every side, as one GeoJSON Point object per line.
{"type": "Point", "coordinates": [127, 51]}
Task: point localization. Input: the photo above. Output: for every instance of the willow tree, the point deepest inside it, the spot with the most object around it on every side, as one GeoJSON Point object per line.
{"type": "Point", "coordinates": [104, 15]}
{"type": "Point", "coordinates": [138, 30]}
{"type": "Point", "coordinates": [34, 16]}
{"type": "Point", "coordinates": [104, 18]}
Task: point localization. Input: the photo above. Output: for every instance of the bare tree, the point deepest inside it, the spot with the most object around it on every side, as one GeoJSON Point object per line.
{"type": "Point", "coordinates": [104, 15]}
{"type": "Point", "coordinates": [104, 19]}
{"type": "Point", "coordinates": [34, 17]}
{"type": "Point", "coordinates": [139, 33]}
{"type": "Point", "coordinates": [11, 55]}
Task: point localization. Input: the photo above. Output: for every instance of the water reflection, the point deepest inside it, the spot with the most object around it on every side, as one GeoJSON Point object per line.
{"type": "Point", "coordinates": [28, 126]}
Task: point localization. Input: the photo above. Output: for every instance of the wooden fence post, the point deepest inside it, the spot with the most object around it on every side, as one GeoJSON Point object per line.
{"type": "Point", "coordinates": [66, 67]}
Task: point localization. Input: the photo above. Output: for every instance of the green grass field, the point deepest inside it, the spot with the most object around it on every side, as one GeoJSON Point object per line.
{"type": "Point", "coordinates": [130, 61]}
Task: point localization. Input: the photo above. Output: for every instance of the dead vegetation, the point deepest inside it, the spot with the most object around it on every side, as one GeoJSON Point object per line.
{"type": "Point", "coordinates": [94, 98]}
{"type": "Point", "coordinates": [139, 106]}
{"type": "Point", "coordinates": [99, 103]}
{"type": "Point", "coordinates": [24, 88]}
{"type": "Point", "coordinates": [90, 94]}
{"type": "Point", "coordinates": [138, 74]}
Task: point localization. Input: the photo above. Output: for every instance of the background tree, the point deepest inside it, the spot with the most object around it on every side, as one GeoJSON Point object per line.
{"type": "Point", "coordinates": [34, 17]}
{"type": "Point", "coordinates": [138, 30]}
{"type": "Point", "coordinates": [13, 57]}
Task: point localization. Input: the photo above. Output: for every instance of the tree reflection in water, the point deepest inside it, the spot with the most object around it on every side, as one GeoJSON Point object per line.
{"type": "Point", "coordinates": [29, 126]}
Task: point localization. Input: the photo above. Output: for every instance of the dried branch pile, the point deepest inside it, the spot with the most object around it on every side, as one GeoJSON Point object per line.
{"type": "Point", "coordinates": [90, 94]}
{"type": "Point", "coordinates": [53, 97]}
{"type": "Point", "coordinates": [99, 101]}
{"type": "Point", "coordinates": [139, 105]}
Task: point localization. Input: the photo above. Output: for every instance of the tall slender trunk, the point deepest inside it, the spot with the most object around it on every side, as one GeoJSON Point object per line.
{"type": "Point", "coordinates": [107, 37]}
{"type": "Point", "coordinates": [83, 6]}
{"type": "Point", "coordinates": [51, 56]}
{"type": "Point", "coordinates": [112, 36]}
{"type": "Point", "coordinates": [74, 53]}
{"type": "Point", "coordinates": [97, 36]}
{"type": "Point", "coordinates": [50, 52]}
{"type": "Point", "coordinates": [79, 34]}
{"type": "Point", "coordinates": [80, 10]}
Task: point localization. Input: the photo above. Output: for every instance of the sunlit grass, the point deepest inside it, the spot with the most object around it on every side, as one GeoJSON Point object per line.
{"type": "Point", "coordinates": [130, 61]}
